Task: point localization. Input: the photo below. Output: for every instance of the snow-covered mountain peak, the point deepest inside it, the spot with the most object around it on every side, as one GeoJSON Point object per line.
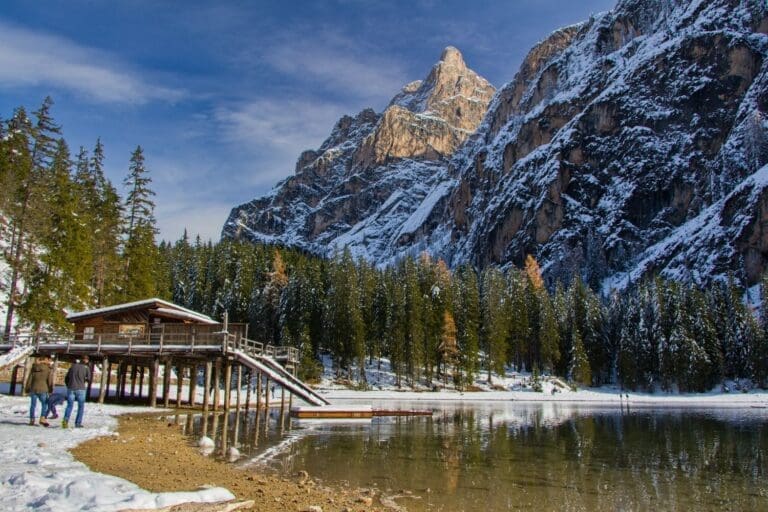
{"type": "Point", "coordinates": [625, 145]}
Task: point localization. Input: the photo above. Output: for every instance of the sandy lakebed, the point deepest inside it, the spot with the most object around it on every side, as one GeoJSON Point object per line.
{"type": "Point", "coordinates": [152, 451]}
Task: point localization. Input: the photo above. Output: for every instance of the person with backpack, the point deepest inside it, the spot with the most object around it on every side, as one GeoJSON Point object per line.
{"type": "Point", "coordinates": [75, 380]}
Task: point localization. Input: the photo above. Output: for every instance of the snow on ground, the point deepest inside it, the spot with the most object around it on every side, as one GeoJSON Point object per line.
{"type": "Point", "coordinates": [38, 473]}
{"type": "Point", "coordinates": [517, 386]}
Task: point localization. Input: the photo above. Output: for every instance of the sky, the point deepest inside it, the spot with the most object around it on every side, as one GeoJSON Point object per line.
{"type": "Point", "coordinates": [224, 95]}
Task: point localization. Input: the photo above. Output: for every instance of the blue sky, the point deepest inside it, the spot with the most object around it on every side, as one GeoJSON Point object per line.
{"type": "Point", "coordinates": [223, 96]}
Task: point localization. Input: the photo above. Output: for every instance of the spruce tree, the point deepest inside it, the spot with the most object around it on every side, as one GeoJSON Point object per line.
{"type": "Point", "coordinates": [33, 146]}
{"type": "Point", "coordinates": [140, 251]}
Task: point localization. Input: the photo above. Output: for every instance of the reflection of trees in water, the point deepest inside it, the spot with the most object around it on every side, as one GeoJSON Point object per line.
{"type": "Point", "coordinates": [473, 461]}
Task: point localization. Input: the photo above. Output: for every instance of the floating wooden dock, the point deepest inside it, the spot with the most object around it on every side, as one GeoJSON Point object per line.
{"type": "Point", "coordinates": [352, 412]}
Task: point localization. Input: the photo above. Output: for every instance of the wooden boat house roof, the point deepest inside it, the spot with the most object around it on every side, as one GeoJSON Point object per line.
{"type": "Point", "coordinates": [155, 307]}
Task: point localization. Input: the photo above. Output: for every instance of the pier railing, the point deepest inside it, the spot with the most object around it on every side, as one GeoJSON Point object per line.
{"type": "Point", "coordinates": [156, 343]}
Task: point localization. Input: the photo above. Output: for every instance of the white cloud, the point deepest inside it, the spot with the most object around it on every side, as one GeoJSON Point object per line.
{"type": "Point", "coordinates": [340, 65]}
{"type": "Point", "coordinates": [29, 58]}
{"type": "Point", "coordinates": [280, 124]}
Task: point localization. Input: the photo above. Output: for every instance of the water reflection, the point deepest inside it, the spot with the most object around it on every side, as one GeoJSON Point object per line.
{"type": "Point", "coordinates": [512, 457]}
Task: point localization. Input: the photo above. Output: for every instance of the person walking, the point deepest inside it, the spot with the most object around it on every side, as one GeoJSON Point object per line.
{"type": "Point", "coordinates": [75, 380]}
{"type": "Point", "coordinates": [40, 383]}
{"type": "Point", "coordinates": [55, 400]}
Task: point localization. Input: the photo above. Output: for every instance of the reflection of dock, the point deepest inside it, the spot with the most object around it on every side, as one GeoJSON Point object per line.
{"type": "Point", "coordinates": [137, 338]}
{"type": "Point", "coordinates": [352, 412]}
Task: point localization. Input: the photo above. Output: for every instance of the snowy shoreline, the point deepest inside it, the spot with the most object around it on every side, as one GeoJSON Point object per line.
{"type": "Point", "coordinates": [37, 472]}
{"type": "Point", "coordinates": [605, 398]}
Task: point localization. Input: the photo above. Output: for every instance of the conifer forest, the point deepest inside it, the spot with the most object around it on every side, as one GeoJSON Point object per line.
{"type": "Point", "coordinates": [71, 240]}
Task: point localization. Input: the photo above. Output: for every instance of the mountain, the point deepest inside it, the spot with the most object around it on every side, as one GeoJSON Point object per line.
{"type": "Point", "coordinates": [374, 169]}
{"type": "Point", "coordinates": [630, 144]}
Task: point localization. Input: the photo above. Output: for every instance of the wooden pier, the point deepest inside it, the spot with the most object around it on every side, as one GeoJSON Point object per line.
{"type": "Point", "coordinates": [131, 342]}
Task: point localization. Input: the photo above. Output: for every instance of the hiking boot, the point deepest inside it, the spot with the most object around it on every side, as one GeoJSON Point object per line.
{"type": "Point", "coordinates": [32, 422]}
{"type": "Point", "coordinates": [78, 426]}
{"type": "Point", "coordinates": [54, 416]}
{"type": "Point", "coordinates": [44, 422]}
{"type": "Point", "coordinates": [64, 423]}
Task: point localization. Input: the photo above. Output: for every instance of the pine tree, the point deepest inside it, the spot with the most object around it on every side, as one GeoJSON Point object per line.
{"type": "Point", "coordinates": [495, 320]}
{"type": "Point", "coordinates": [580, 371]}
{"type": "Point", "coordinates": [106, 214]}
{"type": "Point", "coordinates": [33, 148]}
{"type": "Point", "coordinates": [61, 280]}
{"type": "Point", "coordinates": [140, 251]}
{"type": "Point", "coordinates": [467, 316]}
{"type": "Point", "coordinates": [448, 346]}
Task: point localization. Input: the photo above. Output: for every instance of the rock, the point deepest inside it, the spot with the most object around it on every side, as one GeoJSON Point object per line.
{"type": "Point", "coordinates": [314, 508]}
{"type": "Point", "coordinates": [365, 500]}
{"type": "Point", "coordinates": [621, 148]}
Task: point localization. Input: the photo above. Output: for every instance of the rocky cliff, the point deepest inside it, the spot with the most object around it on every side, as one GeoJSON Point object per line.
{"type": "Point", "coordinates": [374, 168]}
{"type": "Point", "coordinates": [632, 143]}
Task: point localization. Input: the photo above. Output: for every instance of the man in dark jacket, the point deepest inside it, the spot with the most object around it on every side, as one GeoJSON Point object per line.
{"type": "Point", "coordinates": [75, 380]}
{"type": "Point", "coordinates": [39, 384]}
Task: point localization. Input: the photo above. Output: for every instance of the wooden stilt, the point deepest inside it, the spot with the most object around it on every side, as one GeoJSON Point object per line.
{"type": "Point", "coordinates": [227, 384]}
{"type": "Point", "coordinates": [282, 407]}
{"type": "Point", "coordinates": [105, 364]}
{"type": "Point", "coordinates": [91, 366]}
{"type": "Point", "coordinates": [248, 391]}
{"type": "Point", "coordinates": [153, 375]}
{"type": "Point", "coordinates": [207, 386]}
{"type": "Point", "coordinates": [14, 379]}
{"type": "Point", "coordinates": [215, 384]}
{"type": "Point", "coordinates": [166, 384]}
{"type": "Point", "coordinates": [192, 385]}
{"type": "Point", "coordinates": [141, 381]}
{"type": "Point", "coordinates": [239, 385]}
{"type": "Point", "coordinates": [179, 383]}
{"type": "Point", "coordinates": [27, 374]}
{"type": "Point", "coordinates": [266, 403]}
{"type": "Point", "coordinates": [225, 432]}
{"type": "Point", "coordinates": [123, 378]}
{"type": "Point", "coordinates": [258, 393]}
{"type": "Point", "coordinates": [134, 371]}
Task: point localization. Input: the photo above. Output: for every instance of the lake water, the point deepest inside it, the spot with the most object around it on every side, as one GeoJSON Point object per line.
{"type": "Point", "coordinates": [512, 456]}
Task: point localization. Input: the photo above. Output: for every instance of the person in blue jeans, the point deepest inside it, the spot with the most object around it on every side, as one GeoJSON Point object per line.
{"type": "Point", "coordinates": [76, 379]}
{"type": "Point", "coordinates": [39, 385]}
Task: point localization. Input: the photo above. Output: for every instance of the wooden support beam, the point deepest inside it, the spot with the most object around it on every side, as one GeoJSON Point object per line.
{"type": "Point", "coordinates": [239, 385]}
{"type": "Point", "coordinates": [166, 384]}
{"type": "Point", "coordinates": [207, 387]}
{"type": "Point", "coordinates": [192, 385]}
{"type": "Point", "coordinates": [179, 383]}
{"type": "Point", "coordinates": [215, 384]}
{"type": "Point", "coordinates": [91, 367]}
{"type": "Point", "coordinates": [141, 381]}
{"type": "Point", "coordinates": [227, 383]}
{"type": "Point", "coordinates": [104, 384]}
{"type": "Point", "coordinates": [258, 393]}
{"type": "Point", "coordinates": [153, 374]}
{"type": "Point", "coordinates": [266, 403]}
{"type": "Point", "coordinates": [123, 378]}
{"type": "Point", "coordinates": [248, 390]}
{"type": "Point", "coordinates": [27, 374]}
{"type": "Point", "coordinates": [14, 379]}
{"type": "Point", "coordinates": [282, 407]}
{"type": "Point", "coordinates": [133, 379]}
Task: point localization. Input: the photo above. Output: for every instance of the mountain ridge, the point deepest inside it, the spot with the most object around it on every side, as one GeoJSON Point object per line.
{"type": "Point", "coordinates": [614, 134]}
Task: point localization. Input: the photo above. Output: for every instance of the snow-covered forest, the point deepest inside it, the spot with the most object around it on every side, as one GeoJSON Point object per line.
{"type": "Point", "coordinates": [70, 242]}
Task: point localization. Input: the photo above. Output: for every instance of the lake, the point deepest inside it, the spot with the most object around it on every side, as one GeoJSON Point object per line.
{"type": "Point", "coordinates": [514, 456]}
